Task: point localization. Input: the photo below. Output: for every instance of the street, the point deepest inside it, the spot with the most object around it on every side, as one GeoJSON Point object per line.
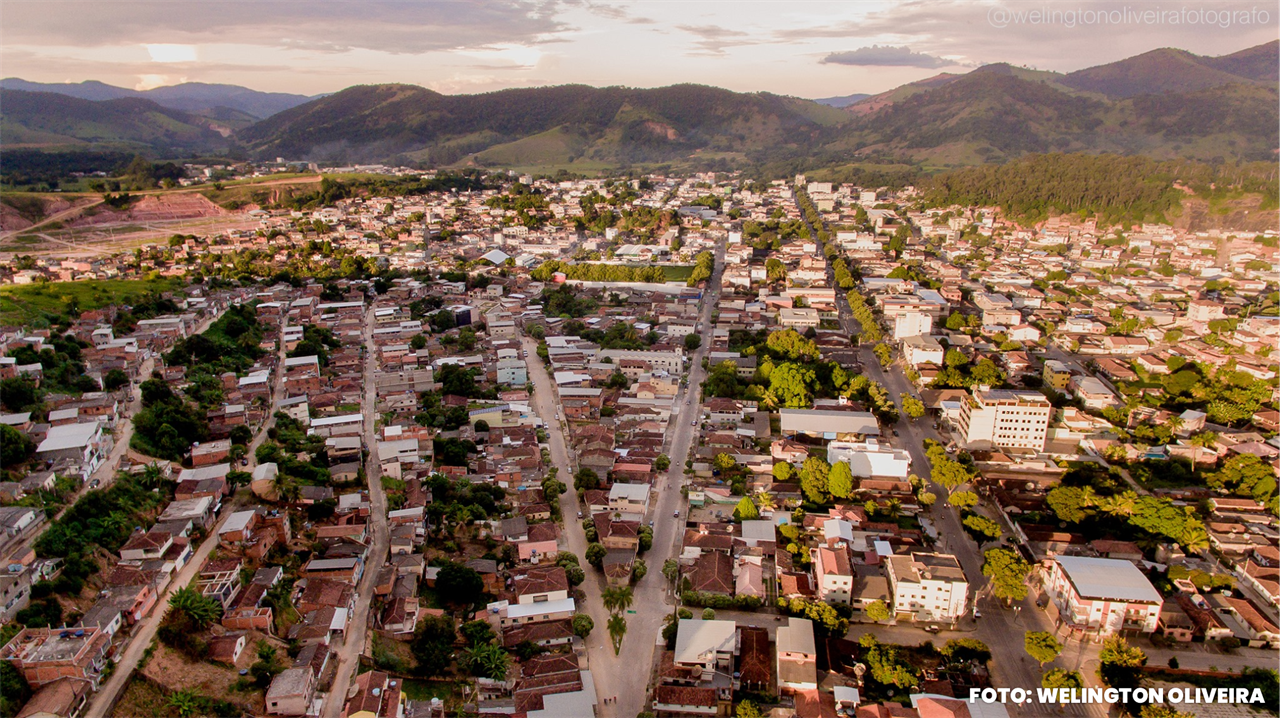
{"type": "Point", "coordinates": [348, 653]}
{"type": "Point", "coordinates": [626, 675]}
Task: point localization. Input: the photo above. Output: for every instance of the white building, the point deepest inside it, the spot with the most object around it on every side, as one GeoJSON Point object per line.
{"type": "Point", "coordinates": [1006, 419]}
{"type": "Point", "coordinates": [912, 324]}
{"type": "Point", "coordinates": [870, 459]}
{"type": "Point", "coordinates": [1103, 594]}
{"type": "Point", "coordinates": [928, 586]}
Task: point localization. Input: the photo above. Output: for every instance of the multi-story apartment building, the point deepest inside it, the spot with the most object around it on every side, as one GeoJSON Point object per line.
{"type": "Point", "coordinates": [928, 586]}
{"type": "Point", "coordinates": [1102, 594]}
{"type": "Point", "coordinates": [1004, 419]}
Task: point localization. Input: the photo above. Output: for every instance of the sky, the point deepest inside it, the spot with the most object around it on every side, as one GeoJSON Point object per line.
{"type": "Point", "coordinates": [797, 47]}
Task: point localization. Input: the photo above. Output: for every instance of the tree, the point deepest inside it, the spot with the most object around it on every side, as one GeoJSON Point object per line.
{"type": "Point", "coordinates": [878, 611]}
{"type": "Point", "coordinates": [963, 500]}
{"type": "Point", "coordinates": [1245, 475]}
{"type": "Point", "coordinates": [790, 383]}
{"type": "Point", "coordinates": [965, 650]}
{"type": "Point", "coordinates": [617, 629]}
{"type": "Point", "coordinates": [662, 463]}
{"type": "Point", "coordinates": [840, 480]}
{"type": "Point", "coordinates": [1062, 678]}
{"type": "Point", "coordinates": [814, 479]}
{"type": "Point", "coordinates": [746, 510]}
{"type": "Point", "coordinates": [15, 447]}
{"type": "Point", "coordinates": [618, 599]}
{"type": "Point", "coordinates": [459, 586]}
{"type": "Point", "coordinates": [582, 625]}
{"type": "Point", "coordinates": [887, 664]}
{"type": "Point", "coordinates": [883, 353]}
{"type": "Point", "coordinates": [983, 527]}
{"type": "Point", "coordinates": [913, 407]}
{"type": "Point", "coordinates": [638, 570]}
{"type": "Point", "coordinates": [1120, 665]}
{"type": "Point", "coordinates": [595, 554]}
{"type": "Point", "coordinates": [201, 611]}
{"type": "Point", "coordinates": [487, 660]}
{"type": "Point", "coordinates": [1069, 503]}
{"type": "Point", "coordinates": [708, 614]}
{"type": "Point", "coordinates": [671, 569]}
{"type": "Point", "coordinates": [432, 644]}
{"type": "Point", "coordinates": [586, 479]}
{"type": "Point", "coordinates": [1042, 646]}
{"type": "Point", "coordinates": [1008, 573]}
{"type": "Point", "coordinates": [791, 345]}
{"type": "Point", "coordinates": [477, 632]}
{"type": "Point", "coordinates": [723, 461]}
{"type": "Point", "coordinates": [114, 379]}
{"type": "Point", "coordinates": [747, 709]}
{"type": "Point", "coordinates": [782, 472]}
{"type": "Point", "coordinates": [949, 473]}
{"type": "Point", "coordinates": [926, 498]}
{"type": "Point", "coordinates": [692, 342]}
{"type": "Point", "coordinates": [1157, 710]}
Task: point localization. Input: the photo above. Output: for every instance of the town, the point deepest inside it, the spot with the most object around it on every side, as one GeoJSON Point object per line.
{"type": "Point", "coordinates": [643, 446]}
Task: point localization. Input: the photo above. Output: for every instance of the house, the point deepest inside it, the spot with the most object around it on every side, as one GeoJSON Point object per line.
{"type": "Point", "coordinates": [1102, 594]}
{"type": "Point", "coordinates": [1092, 392]}
{"type": "Point", "coordinates": [708, 646]}
{"type": "Point", "coordinates": [712, 572]}
{"type": "Point", "coordinates": [374, 695]}
{"type": "Point", "coordinates": [84, 444]}
{"type": "Point", "coordinates": [291, 692]}
{"type": "Point", "coordinates": [62, 698]}
{"type": "Point", "coordinates": [797, 656]}
{"type": "Point", "coordinates": [629, 498]}
{"type": "Point", "coordinates": [541, 584]}
{"type": "Point", "coordinates": [833, 574]}
{"type": "Point", "coordinates": [43, 655]}
{"type": "Point", "coordinates": [928, 586]}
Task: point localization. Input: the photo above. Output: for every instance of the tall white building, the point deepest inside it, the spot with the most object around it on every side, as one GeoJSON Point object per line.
{"type": "Point", "coordinates": [912, 324]}
{"type": "Point", "coordinates": [928, 586]}
{"type": "Point", "coordinates": [1004, 419]}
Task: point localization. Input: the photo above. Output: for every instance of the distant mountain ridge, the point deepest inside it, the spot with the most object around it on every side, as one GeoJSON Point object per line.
{"type": "Point", "coordinates": [842, 101]}
{"type": "Point", "coordinates": [194, 97]}
{"type": "Point", "coordinates": [1166, 104]}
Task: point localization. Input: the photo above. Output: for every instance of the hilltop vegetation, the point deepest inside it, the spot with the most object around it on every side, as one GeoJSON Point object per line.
{"type": "Point", "coordinates": [1116, 189]}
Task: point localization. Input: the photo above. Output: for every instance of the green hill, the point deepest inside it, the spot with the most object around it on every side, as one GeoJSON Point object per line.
{"type": "Point", "coordinates": [49, 119]}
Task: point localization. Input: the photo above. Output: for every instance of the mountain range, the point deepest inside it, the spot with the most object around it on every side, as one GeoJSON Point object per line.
{"type": "Point", "coordinates": [197, 98]}
{"type": "Point", "coordinates": [1165, 103]}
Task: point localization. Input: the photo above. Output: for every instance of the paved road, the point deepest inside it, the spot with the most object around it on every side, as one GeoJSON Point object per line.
{"type": "Point", "coordinates": [546, 403]}
{"type": "Point", "coordinates": [626, 675]}
{"type": "Point", "coordinates": [353, 643]}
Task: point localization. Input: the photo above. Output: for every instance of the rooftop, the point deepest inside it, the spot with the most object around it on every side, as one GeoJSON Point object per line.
{"type": "Point", "coordinates": [1108, 578]}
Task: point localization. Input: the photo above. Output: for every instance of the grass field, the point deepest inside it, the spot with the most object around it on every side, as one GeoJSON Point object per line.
{"type": "Point", "coordinates": [22, 304]}
{"type": "Point", "coordinates": [677, 273]}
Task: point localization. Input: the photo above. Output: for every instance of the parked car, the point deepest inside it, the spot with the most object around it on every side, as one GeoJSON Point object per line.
{"type": "Point", "coordinates": [676, 514]}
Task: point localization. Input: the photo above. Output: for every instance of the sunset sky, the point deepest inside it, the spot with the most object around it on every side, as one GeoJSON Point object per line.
{"type": "Point", "coordinates": [808, 49]}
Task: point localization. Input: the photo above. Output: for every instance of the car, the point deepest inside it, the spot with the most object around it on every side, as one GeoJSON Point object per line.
{"type": "Point", "coordinates": [94, 484]}
{"type": "Point", "coordinates": [676, 514]}
{"type": "Point", "coordinates": [579, 514]}
{"type": "Point", "coordinates": [976, 612]}
{"type": "Point", "coordinates": [931, 629]}
{"type": "Point", "coordinates": [650, 523]}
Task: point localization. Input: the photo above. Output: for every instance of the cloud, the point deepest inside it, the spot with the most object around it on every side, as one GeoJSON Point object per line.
{"type": "Point", "coordinates": [713, 39]}
{"type": "Point", "coordinates": [885, 56]}
{"type": "Point", "coordinates": [392, 26]}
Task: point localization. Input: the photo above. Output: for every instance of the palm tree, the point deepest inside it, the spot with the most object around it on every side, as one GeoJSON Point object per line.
{"type": "Point", "coordinates": [617, 600]}
{"type": "Point", "coordinates": [201, 610]}
{"type": "Point", "coordinates": [768, 399]}
{"type": "Point", "coordinates": [151, 477]}
{"type": "Point", "coordinates": [1122, 504]}
{"type": "Point", "coordinates": [486, 659]}
{"type": "Point", "coordinates": [286, 489]}
{"type": "Point", "coordinates": [617, 629]}
{"type": "Point", "coordinates": [765, 501]}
